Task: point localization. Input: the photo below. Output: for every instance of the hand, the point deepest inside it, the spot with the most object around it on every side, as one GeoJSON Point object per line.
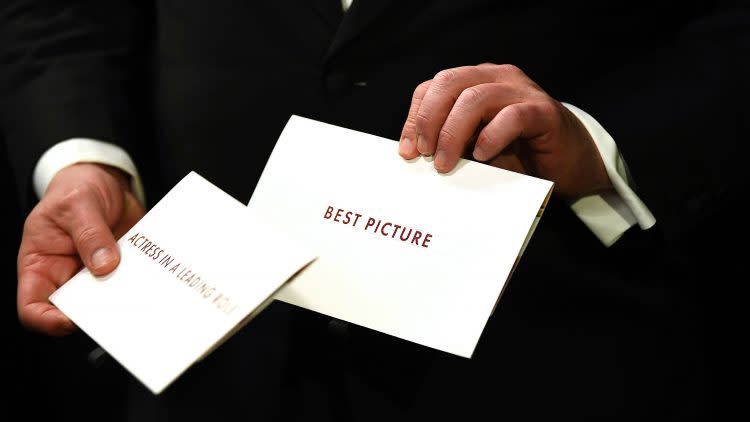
{"type": "Point", "coordinates": [85, 208]}
{"type": "Point", "coordinates": [506, 120]}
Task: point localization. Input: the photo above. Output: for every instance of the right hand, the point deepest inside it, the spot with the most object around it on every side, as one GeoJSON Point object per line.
{"type": "Point", "coordinates": [86, 207]}
{"type": "Point", "coordinates": [502, 117]}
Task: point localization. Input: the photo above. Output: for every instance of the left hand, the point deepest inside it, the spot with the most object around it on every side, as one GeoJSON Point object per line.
{"type": "Point", "coordinates": [86, 207]}
{"type": "Point", "coordinates": [511, 123]}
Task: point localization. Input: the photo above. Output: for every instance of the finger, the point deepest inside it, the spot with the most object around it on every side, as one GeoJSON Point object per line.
{"type": "Point", "coordinates": [39, 275]}
{"type": "Point", "coordinates": [476, 105]}
{"type": "Point", "coordinates": [34, 309]}
{"type": "Point", "coordinates": [407, 146]}
{"type": "Point", "coordinates": [439, 99]}
{"type": "Point", "coordinates": [509, 73]}
{"type": "Point", "coordinates": [520, 120]}
{"type": "Point", "coordinates": [82, 217]}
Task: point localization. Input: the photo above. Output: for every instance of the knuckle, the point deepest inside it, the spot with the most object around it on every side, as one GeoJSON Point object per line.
{"type": "Point", "coordinates": [513, 113]}
{"type": "Point", "coordinates": [445, 77]}
{"type": "Point", "coordinates": [83, 195]}
{"type": "Point", "coordinates": [470, 97]}
{"type": "Point", "coordinates": [547, 107]}
{"type": "Point", "coordinates": [421, 118]}
{"type": "Point", "coordinates": [87, 235]}
{"type": "Point", "coordinates": [74, 197]}
{"type": "Point", "coordinates": [543, 112]}
{"type": "Point", "coordinates": [509, 69]}
{"type": "Point", "coordinates": [424, 126]}
{"type": "Point", "coordinates": [29, 260]}
{"type": "Point", "coordinates": [483, 138]}
{"type": "Point", "coordinates": [420, 90]}
{"type": "Point", "coordinates": [446, 136]}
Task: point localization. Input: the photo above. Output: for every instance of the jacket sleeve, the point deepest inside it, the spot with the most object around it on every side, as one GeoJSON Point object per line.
{"type": "Point", "coordinates": [679, 118]}
{"type": "Point", "coordinates": [69, 69]}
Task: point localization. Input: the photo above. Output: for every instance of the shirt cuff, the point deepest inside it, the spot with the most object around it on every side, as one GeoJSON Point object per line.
{"type": "Point", "coordinates": [609, 215]}
{"type": "Point", "coordinates": [82, 150]}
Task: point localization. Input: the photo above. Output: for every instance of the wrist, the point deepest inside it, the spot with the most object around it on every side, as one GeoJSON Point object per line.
{"type": "Point", "coordinates": [591, 170]}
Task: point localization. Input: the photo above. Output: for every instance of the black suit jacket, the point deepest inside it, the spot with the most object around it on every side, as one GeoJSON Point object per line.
{"type": "Point", "coordinates": [582, 330]}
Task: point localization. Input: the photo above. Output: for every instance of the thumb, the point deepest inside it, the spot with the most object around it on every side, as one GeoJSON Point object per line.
{"type": "Point", "coordinates": [85, 222]}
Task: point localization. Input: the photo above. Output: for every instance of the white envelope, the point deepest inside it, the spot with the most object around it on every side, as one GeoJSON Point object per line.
{"type": "Point", "coordinates": [437, 290]}
{"type": "Point", "coordinates": [192, 271]}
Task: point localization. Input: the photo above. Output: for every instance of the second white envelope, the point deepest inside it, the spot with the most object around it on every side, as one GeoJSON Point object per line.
{"type": "Point", "coordinates": [429, 254]}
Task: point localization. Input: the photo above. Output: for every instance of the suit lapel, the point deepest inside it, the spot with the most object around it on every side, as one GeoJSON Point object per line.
{"type": "Point", "coordinates": [361, 14]}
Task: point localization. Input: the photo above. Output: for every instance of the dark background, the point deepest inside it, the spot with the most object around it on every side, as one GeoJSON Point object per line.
{"type": "Point", "coordinates": [52, 378]}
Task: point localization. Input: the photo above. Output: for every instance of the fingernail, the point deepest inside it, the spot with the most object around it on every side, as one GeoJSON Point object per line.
{"type": "Point", "coordinates": [405, 146]}
{"type": "Point", "coordinates": [421, 144]}
{"type": "Point", "coordinates": [101, 257]}
{"type": "Point", "coordinates": [439, 160]}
